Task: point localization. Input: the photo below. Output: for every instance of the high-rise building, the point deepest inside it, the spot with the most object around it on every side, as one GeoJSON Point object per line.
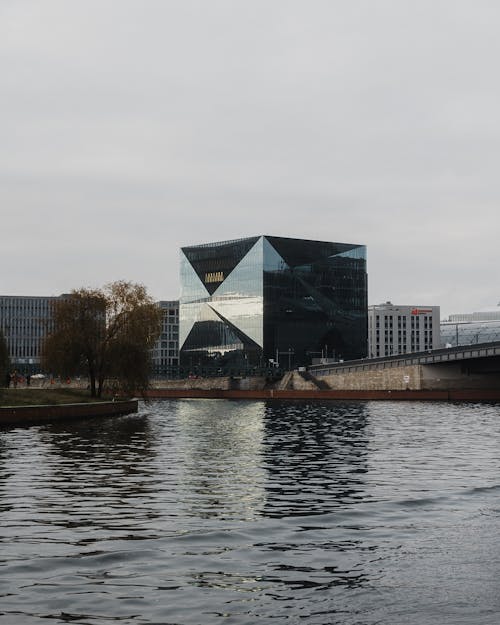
{"type": "Point", "coordinates": [398, 329]}
{"type": "Point", "coordinates": [272, 300]}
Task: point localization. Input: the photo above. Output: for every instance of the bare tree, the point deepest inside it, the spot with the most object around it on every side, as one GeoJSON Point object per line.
{"type": "Point", "coordinates": [105, 333]}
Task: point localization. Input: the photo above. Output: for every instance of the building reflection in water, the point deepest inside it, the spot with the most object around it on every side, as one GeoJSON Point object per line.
{"type": "Point", "coordinates": [276, 464]}
{"type": "Point", "coordinates": [234, 500]}
{"type": "Point", "coordinates": [222, 470]}
{"type": "Point", "coordinates": [276, 459]}
{"type": "Point", "coordinates": [315, 456]}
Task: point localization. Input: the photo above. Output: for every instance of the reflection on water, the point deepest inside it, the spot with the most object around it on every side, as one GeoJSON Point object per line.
{"type": "Point", "coordinates": [222, 473]}
{"type": "Point", "coordinates": [199, 511]}
{"type": "Point", "coordinates": [270, 459]}
{"type": "Point", "coordinates": [315, 457]}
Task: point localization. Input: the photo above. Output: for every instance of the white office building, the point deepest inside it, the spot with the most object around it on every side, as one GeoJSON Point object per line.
{"type": "Point", "coordinates": [165, 353]}
{"type": "Point", "coordinates": [401, 329]}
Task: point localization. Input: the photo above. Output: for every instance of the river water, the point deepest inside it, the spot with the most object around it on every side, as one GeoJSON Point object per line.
{"type": "Point", "coordinates": [195, 512]}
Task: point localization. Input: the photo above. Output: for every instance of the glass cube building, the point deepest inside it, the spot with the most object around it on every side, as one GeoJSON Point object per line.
{"type": "Point", "coordinates": [271, 300]}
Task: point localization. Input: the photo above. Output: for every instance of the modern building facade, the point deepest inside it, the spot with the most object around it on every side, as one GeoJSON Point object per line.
{"type": "Point", "coordinates": [268, 300]}
{"type": "Point", "coordinates": [25, 321]}
{"type": "Point", "coordinates": [398, 329]}
{"type": "Point", "coordinates": [165, 354]}
{"type": "Point", "coordinates": [482, 326]}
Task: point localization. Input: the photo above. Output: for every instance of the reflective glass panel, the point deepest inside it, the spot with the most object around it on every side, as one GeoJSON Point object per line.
{"type": "Point", "coordinates": [239, 299]}
{"type": "Point", "coordinates": [315, 300]}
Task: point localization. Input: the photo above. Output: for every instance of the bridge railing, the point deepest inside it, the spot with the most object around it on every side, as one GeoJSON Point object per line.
{"type": "Point", "coordinates": [433, 356]}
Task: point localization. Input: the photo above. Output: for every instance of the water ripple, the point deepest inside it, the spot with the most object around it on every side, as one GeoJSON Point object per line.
{"type": "Point", "coordinates": [198, 511]}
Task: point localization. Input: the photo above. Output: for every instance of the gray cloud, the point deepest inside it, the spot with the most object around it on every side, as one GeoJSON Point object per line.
{"type": "Point", "coordinates": [131, 128]}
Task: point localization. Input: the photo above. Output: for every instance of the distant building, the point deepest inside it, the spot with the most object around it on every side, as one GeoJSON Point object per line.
{"type": "Point", "coordinates": [401, 329]}
{"type": "Point", "coordinates": [482, 326]}
{"type": "Point", "coordinates": [487, 314]}
{"type": "Point", "coordinates": [268, 300]}
{"type": "Point", "coordinates": [165, 354]}
{"type": "Point", "coordinates": [25, 321]}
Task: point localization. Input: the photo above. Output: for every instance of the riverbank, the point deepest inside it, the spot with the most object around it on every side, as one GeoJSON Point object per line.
{"type": "Point", "coordinates": [28, 407]}
{"type": "Point", "coordinates": [388, 384]}
{"type": "Point", "coordinates": [290, 394]}
{"type": "Point", "coordinates": [46, 396]}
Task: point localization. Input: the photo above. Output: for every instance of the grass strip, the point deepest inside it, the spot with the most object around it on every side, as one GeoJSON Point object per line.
{"type": "Point", "coordinates": [46, 397]}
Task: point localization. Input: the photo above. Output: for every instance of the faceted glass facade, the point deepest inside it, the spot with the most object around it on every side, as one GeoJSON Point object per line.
{"type": "Point", "coordinates": [250, 301]}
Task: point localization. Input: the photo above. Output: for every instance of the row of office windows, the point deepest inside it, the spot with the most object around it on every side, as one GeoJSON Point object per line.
{"type": "Point", "coordinates": [390, 350]}
{"type": "Point", "coordinates": [164, 353]}
{"type": "Point", "coordinates": [171, 344]}
{"type": "Point", "coordinates": [404, 333]}
{"type": "Point", "coordinates": [389, 321]}
{"type": "Point", "coordinates": [19, 330]}
{"type": "Point", "coordinates": [25, 350]}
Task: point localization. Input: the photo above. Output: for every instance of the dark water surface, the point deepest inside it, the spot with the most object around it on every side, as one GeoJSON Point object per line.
{"type": "Point", "coordinates": [206, 511]}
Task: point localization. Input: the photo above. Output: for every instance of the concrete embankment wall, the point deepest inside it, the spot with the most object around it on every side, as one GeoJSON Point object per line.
{"type": "Point", "coordinates": [211, 384]}
{"type": "Point", "coordinates": [23, 415]}
{"type": "Point", "coordinates": [292, 380]}
{"type": "Point", "coordinates": [450, 382]}
{"type": "Point", "coordinates": [394, 379]}
{"type": "Point", "coordinates": [449, 377]}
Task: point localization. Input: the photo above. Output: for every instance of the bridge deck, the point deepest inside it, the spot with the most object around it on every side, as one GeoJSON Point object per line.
{"type": "Point", "coordinates": [431, 357]}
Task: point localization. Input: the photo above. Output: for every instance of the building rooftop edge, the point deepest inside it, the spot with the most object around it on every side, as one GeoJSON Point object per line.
{"type": "Point", "coordinates": [272, 236]}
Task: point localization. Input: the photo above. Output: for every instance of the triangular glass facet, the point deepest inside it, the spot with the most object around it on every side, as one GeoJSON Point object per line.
{"type": "Point", "coordinates": [214, 262]}
{"type": "Point", "coordinates": [193, 292]}
{"type": "Point", "coordinates": [297, 252]}
{"type": "Point", "coordinates": [239, 299]}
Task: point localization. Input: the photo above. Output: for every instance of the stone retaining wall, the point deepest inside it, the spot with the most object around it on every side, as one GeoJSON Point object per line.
{"type": "Point", "coordinates": [212, 384]}
{"type": "Point", "coordinates": [453, 376]}
{"type": "Point", "coordinates": [397, 378]}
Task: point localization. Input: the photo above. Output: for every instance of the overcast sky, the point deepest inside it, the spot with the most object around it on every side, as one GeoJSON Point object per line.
{"type": "Point", "coordinates": [130, 128]}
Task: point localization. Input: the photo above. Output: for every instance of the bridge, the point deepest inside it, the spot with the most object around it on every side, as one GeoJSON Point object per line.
{"type": "Point", "coordinates": [464, 367]}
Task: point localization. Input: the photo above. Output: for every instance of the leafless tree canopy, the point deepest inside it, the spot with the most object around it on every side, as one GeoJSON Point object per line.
{"type": "Point", "coordinates": [106, 334]}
